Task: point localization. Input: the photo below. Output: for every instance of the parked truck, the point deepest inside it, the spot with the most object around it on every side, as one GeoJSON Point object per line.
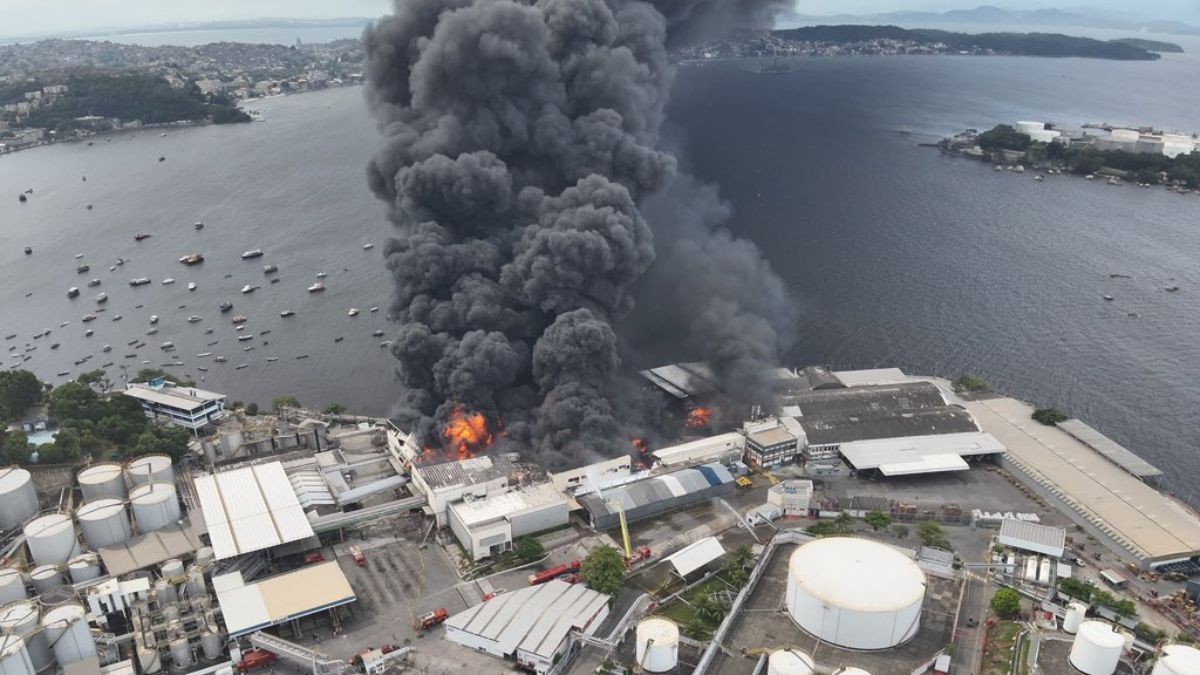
{"type": "Point", "coordinates": [553, 573]}
{"type": "Point", "coordinates": [255, 659]}
{"type": "Point", "coordinates": [357, 554]}
{"type": "Point", "coordinates": [427, 621]}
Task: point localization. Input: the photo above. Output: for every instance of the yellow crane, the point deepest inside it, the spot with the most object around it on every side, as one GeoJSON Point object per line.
{"type": "Point", "coordinates": [624, 527]}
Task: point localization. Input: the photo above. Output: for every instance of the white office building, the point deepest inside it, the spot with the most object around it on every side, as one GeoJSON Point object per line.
{"type": "Point", "coordinates": [187, 407]}
{"type": "Point", "coordinates": [487, 527]}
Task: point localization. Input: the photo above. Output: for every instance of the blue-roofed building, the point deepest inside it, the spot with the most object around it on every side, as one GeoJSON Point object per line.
{"type": "Point", "coordinates": [657, 495]}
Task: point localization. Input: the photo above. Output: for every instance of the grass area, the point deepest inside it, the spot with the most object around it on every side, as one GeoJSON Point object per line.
{"type": "Point", "coordinates": [997, 651]}
{"type": "Point", "coordinates": [683, 612]}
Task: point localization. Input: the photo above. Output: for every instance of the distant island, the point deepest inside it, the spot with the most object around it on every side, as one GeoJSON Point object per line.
{"type": "Point", "coordinates": [1152, 45]}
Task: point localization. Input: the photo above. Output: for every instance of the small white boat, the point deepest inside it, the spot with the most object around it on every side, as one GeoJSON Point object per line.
{"type": "Point", "coordinates": [220, 359]}
{"type": "Point", "coordinates": [153, 319]}
{"type": "Point", "coordinates": [117, 317]}
{"type": "Point", "coordinates": [286, 313]}
{"type": "Point", "coordinates": [204, 355]}
{"type": "Point", "coordinates": [316, 288]}
{"type": "Point", "coordinates": [194, 318]}
{"type": "Point", "coordinates": [353, 311]}
{"type": "Point", "coordinates": [272, 359]}
{"type": "Point", "coordinates": [252, 253]}
{"type": "Point", "coordinates": [107, 348]}
{"type": "Point", "coordinates": [191, 285]}
{"type": "Point", "coordinates": [93, 283]}
{"type": "Point", "coordinates": [78, 256]}
{"type": "Point", "coordinates": [248, 288]}
{"type": "Point", "coordinates": [368, 247]}
{"type": "Point", "coordinates": [73, 292]}
{"type": "Point", "coordinates": [167, 345]}
{"type": "Point", "coordinates": [321, 275]}
{"type": "Point", "coordinates": [168, 281]}
{"type": "Point", "coordinates": [246, 349]}
{"type": "Point", "coordinates": [241, 365]}
{"type": "Point", "coordinates": [373, 310]}
{"type": "Point", "coordinates": [198, 225]}
{"type": "Point", "coordinates": [102, 298]}
{"type": "Point", "coordinates": [243, 338]}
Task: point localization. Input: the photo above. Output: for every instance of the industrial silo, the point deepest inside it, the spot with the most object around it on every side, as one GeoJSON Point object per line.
{"type": "Point", "coordinates": [21, 619]}
{"type": "Point", "coordinates": [657, 645]}
{"type": "Point", "coordinates": [855, 593]}
{"type": "Point", "coordinates": [14, 658]}
{"type": "Point", "coordinates": [67, 631]}
{"type": "Point", "coordinates": [1076, 613]}
{"type": "Point", "coordinates": [172, 568]}
{"type": "Point", "coordinates": [51, 539]}
{"type": "Point", "coordinates": [181, 652]}
{"type": "Point", "coordinates": [789, 662]}
{"type": "Point", "coordinates": [151, 468]}
{"type": "Point", "coordinates": [104, 523]}
{"type": "Point", "coordinates": [84, 567]}
{"type": "Point", "coordinates": [12, 585]}
{"type": "Point", "coordinates": [165, 592]}
{"type": "Point", "coordinates": [1178, 660]}
{"type": "Point", "coordinates": [210, 642]}
{"type": "Point", "coordinates": [102, 481]}
{"type": "Point", "coordinates": [195, 586]}
{"type": "Point", "coordinates": [205, 554]}
{"type": "Point", "coordinates": [46, 578]}
{"type": "Point", "coordinates": [1027, 128]}
{"type": "Point", "coordinates": [1097, 648]}
{"type": "Point", "coordinates": [154, 506]}
{"type": "Point", "coordinates": [149, 661]}
{"type": "Point", "coordinates": [18, 499]}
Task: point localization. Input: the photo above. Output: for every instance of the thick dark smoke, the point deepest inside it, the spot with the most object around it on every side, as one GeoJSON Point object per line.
{"type": "Point", "coordinates": [520, 141]}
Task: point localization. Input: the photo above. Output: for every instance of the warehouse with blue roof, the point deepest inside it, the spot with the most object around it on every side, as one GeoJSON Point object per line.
{"type": "Point", "coordinates": [657, 495]}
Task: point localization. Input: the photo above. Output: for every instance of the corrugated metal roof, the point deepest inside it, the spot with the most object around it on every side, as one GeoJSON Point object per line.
{"type": "Point", "coordinates": [875, 453]}
{"type": "Point", "coordinates": [924, 464]}
{"type": "Point", "coordinates": [657, 489]}
{"type": "Point", "coordinates": [697, 555]}
{"type": "Point", "coordinates": [250, 509]}
{"type": "Point", "coordinates": [1115, 452]}
{"type": "Point", "coordinates": [1032, 536]}
{"type": "Point", "coordinates": [465, 471]}
{"type": "Point", "coordinates": [281, 598]}
{"type": "Point", "coordinates": [535, 619]}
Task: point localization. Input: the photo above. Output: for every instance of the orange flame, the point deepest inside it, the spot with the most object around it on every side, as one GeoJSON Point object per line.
{"type": "Point", "coordinates": [466, 433]}
{"type": "Point", "coordinates": [640, 445]}
{"type": "Point", "coordinates": [698, 418]}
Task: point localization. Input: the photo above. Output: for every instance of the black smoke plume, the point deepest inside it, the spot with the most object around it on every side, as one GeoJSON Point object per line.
{"type": "Point", "coordinates": [520, 142]}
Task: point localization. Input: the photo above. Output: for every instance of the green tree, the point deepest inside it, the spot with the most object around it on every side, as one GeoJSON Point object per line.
{"type": "Point", "coordinates": [1076, 589]}
{"type": "Point", "coordinates": [66, 448]}
{"type": "Point", "coordinates": [711, 607]}
{"type": "Point", "coordinates": [156, 440]}
{"type": "Point", "coordinates": [73, 401]}
{"type": "Point", "coordinates": [1049, 416]}
{"type": "Point", "coordinates": [19, 391]}
{"type": "Point", "coordinates": [1003, 137]}
{"type": "Point", "coordinates": [14, 447]}
{"type": "Point", "coordinates": [91, 377]}
{"type": "Point", "coordinates": [252, 409]}
{"type": "Point", "coordinates": [1006, 603]}
{"type": "Point", "coordinates": [280, 402]}
{"type": "Point", "coordinates": [695, 628]}
{"type": "Point", "coordinates": [604, 570]}
{"type": "Point", "coordinates": [334, 409]}
{"type": "Point", "coordinates": [932, 534]}
{"type": "Point", "coordinates": [878, 520]}
{"type": "Point", "coordinates": [844, 523]}
{"type": "Point", "coordinates": [528, 549]}
{"type": "Point", "coordinates": [822, 528]}
{"type": "Point", "coordinates": [901, 531]}
{"type": "Point", "coordinates": [967, 383]}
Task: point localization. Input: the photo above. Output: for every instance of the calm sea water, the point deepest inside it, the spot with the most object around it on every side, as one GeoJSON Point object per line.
{"type": "Point", "coordinates": [896, 255]}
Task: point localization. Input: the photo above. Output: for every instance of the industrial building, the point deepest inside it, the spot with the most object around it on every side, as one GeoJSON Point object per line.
{"type": "Point", "coordinates": [187, 407]}
{"type": "Point", "coordinates": [250, 509]}
{"type": "Point", "coordinates": [696, 556]}
{"type": "Point", "coordinates": [792, 497]}
{"type": "Point", "coordinates": [589, 477]}
{"type": "Point", "coordinates": [1027, 536]}
{"type": "Point", "coordinates": [487, 527]}
{"type": "Point", "coordinates": [720, 448]}
{"type": "Point", "coordinates": [531, 626]}
{"type": "Point", "coordinates": [448, 482]}
{"type": "Point", "coordinates": [855, 593]}
{"type": "Point", "coordinates": [769, 443]}
{"type": "Point", "coordinates": [1112, 451]}
{"type": "Point", "coordinates": [655, 496]}
{"type": "Point", "coordinates": [1134, 519]}
{"type": "Point", "coordinates": [919, 454]}
{"type": "Point", "coordinates": [248, 607]}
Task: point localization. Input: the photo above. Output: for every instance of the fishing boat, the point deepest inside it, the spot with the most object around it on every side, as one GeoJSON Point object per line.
{"type": "Point", "coordinates": [272, 359]}
{"type": "Point", "coordinates": [198, 225]}
{"type": "Point", "coordinates": [377, 333]}
{"type": "Point", "coordinates": [191, 285]}
{"type": "Point", "coordinates": [117, 317]}
{"type": "Point", "coordinates": [194, 318]}
{"type": "Point", "coordinates": [167, 345]}
{"type": "Point", "coordinates": [353, 311]}
{"type": "Point", "coordinates": [373, 310]}
{"type": "Point", "coordinates": [241, 365]}
{"type": "Point", "coordinates": [243, 338]}
{"type": "Point", "coordinates": [93, 283]}
{"type": "Point", "coordinates": [82, 268]}
{"type": "Point", "coordinates": [106, 349]}
{"type": "Point", "coordinates": [220, 359]}
{"type": "Point", "coordinates": [270, 269]}
{"type": "Point", "coordinates": [248, 288]}
{"type": "Point", "coordinates": [239, 319]}
{"type": "Point", "coordinates": [192, 259]}
{"type": "Point", "coordinates": [316, 288]}
{"type": "Point", "coordinates": [368, 247]}
{"type": "Point", "coordinates": [88, 317]}
{"type": "Point", "coordinates": [168, 281]}
{"type": "Point", "coordinates": [73, 292]}
{"type": "Point", "coordinates": [140, 281]}
{"type": "Point", "coordinates": [101, 298]}
{"type": "Point", "coordinates": [141, 236]}
{"type": "Point", "coordinates": [226, 306]}
{"type": "Point", "coordinates": [322, 275]}
{"type": "Point", "coordinates": [252, 253]}
{"type": "Point", "coordinates": [286, 313]}
{"type": "Point", "coordinates": [153, 319]}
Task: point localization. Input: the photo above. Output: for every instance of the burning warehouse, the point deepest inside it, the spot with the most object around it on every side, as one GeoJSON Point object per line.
{"type": "Point", "coordinates": [655, 496]}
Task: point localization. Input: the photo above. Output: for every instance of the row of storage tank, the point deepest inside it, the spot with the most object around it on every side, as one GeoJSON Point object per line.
{"type": "Point", "coordinates": [1097, 648]}
{"type": "Point", "coordinates": [178, 593]}
{"type": "Point", "coordinates": [107, 480]}
{"type": "Point", "coordinates": [1035, 569]}
{"type": "Point", "coordinates": [33, 641]}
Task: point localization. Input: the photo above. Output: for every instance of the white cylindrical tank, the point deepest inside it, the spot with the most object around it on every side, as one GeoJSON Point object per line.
{"type": "Point", "coordinates": [151, 468]}
{"type": "Point", "coordinates": [21, 619]}
{"type": "Point", "coordinates": [14, 658]}
{"type": "Point", "coordinates": [51, 539]}
{"type": "Point", "coordinates": [1076, 613]}
{"type": "Point", "coordinates": [195, 586]}
{"type": "Point", "coordinates": [102, 481]}
{"type": "Point", "coordinates": [12, 585]}
{"type": "Point", "coordinates": [1031, 568]}
{"type": "Point", "coordinates": [1026, 127]}
{"type": "Point", "coordinates": [47, 577]}
{"type": "Point", "coordinates": [165, 592]}
{"type": "Point", "coordinates": [84, 567]}
{"type": "Point", "coordinates": [18, 498]}
{"type": "Point", "coordinates": [1012, 564]}
{"type": "Point", "coordinates": [104, 523]}
{"type": "Point", "coordinates": [68, 633]}
{"type": "Point", "coordinates": [181, 653]}
{"type": "Point", "coordinates": [154, 506]}
{"type": "Point", "coordinates": [172, 568]}
{"type": "Point", "coordinates": [149, 661]}
{"type": "Point", "coordinates": [1044, 572]}
{"type": "Point", "coordinates": [1124, 135]}
{"type": "Point", "coordinates": [657, 645]}
{"type": "Point", "coordinates": [205, 554]}
{"type": "Point", "coordinates": [789, 662]}
{"type": "Point", "coordinates": [1178, 660]}
{"type": "Point", "coordinates": [855, 593]}
{"type": "Point", "coordinates": [1097, 648]}
{"type": "Point", "coordinates": [210, 642]}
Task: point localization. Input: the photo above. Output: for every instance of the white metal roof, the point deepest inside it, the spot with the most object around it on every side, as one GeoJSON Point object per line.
{"type": "Point", "coordinates": [924, 464]}
{"type": "Point", "coordinates": [507, 504]}
{"type": "Point", "coordinates": [1032, 537]}
{"type": "Point", "coordinates": [535, 619]}
{"type": "Point", "coordinates": [183, 398]}
{"type": "Point", "coordinates": [701, 449]}
{"type": "Point", "coordinates": [281, 598]}
{"type": "Point", "coordinates": [876, 453]}
{"type": "Point", "coordinates": [869, 376]}
{"type": "Point", "coordinates": [251, 508]}
{"type": "Point", "coordinates": [692, 557]}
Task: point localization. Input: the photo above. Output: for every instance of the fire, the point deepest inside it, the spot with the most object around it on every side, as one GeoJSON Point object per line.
{"type": "Point", "coordinates": [466, 433]}
{"type": "Point", "coordinates": [698, 418]}
{"type": "Point", "coordinates": [640, 445]}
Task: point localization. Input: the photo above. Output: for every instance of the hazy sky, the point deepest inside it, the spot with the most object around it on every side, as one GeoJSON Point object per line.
{"type": "Point", "coordinates": [24, 17]}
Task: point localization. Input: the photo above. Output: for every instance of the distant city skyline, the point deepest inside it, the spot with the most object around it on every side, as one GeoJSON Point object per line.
{"type": "Point", "coordinates": [48, 17]}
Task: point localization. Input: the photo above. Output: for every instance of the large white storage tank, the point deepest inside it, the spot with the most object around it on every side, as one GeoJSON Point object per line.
{"type": "Point", "coordinates": [46, 578]}
{"type": "Point", "coordinates": [1125, 135]}
{"type": "Point", "coordinates": [657, 645]}
{"type": "Point", "coordinates": [151, 468]}
{"type": "Point", "coordinates": [14, 658]}
{"type": "Point", "coordinates": [855, 593]}
{"type": "Point", "coordinates": [1076, 613]}
{"type": "Point", "coordinates": [154, 506]}
{"type": "Point", "coordinates": [789, 662]}
{"type": "Point", "coordinates": [1097, 648]}
{"type": "Point", "coordinates": [102, 481]}
{"type": "Point", "coordinates": [1178, 660]}
{"type": "Point", "coordinates": [18, 499]}
{"type": "Point", "coordinates": [104, 523]}
{"type": "Point", "coordinates": [12, 585]}
{"type": "Point", "coordinates": [67, 631]}
{"type": "Point", "coordinates": [21, 619]}
{"type": "Point", "coordinates": [1027, 127]}
{"type": "Point", "coordinates": [84, 567]}
{"type": "Point", "coordinates": [51, 539]}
